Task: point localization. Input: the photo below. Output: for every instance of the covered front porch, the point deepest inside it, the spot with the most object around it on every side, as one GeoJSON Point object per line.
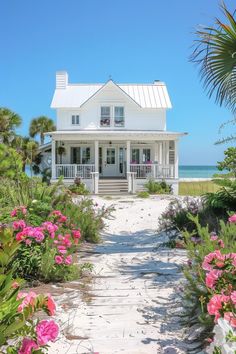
{"type": "Point", "coordinates": [100, 156]}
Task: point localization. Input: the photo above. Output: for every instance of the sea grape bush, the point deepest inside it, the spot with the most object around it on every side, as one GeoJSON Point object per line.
{"type": "Point", "coordinates": [55, 239]}
{"type": "Point", "coordinates": [20, 331]}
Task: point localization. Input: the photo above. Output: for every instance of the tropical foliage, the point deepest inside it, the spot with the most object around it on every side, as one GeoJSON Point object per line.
{"type": "Point", "coordinates": [41, 125]}
{"type": "Point", "coordinates": [215, 53]}
{"type": "Point", "coordinates": [9, 120]}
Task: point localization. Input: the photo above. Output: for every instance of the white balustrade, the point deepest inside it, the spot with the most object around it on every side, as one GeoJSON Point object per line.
{"type": "Point", "coordinates": [72, 171]}
{"type": "Point", "coordinates": [153, 170]}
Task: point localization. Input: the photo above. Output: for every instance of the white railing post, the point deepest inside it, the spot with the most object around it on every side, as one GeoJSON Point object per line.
{"type": "Point", "coordinates": [95, 177]}
{"type": "Point", "coordinates": [129, 182]}
{"type": "Point", "coordinates": [127, 156]}
{"type": "Point", "coordinates": [176, 174]}
{"type": "Point", "coordinates": [54, 175]}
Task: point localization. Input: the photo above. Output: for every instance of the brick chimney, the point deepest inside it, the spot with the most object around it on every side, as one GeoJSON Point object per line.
{"type": "Point", "coordinates": [61, 79]}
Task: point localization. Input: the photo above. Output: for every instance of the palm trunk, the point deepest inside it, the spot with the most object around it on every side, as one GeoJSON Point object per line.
{"type": "Point", "coordinates": [41, 138]}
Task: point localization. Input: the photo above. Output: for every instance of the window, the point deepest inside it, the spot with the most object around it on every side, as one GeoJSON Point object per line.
{"type": "Point", "coordinates": [85, 155]}
{"type": "Point", "coordinates": [75, 119]}
{"type": "Point", "coordinates": [111, 153]}
{"type": "Point", "coordinates": [80, 155]}
{"type": "Point", "coordinates": [135, 156]}
{"type": "Point", "coordinates": [105, 120]}
{"type": "Point", "coordinates": [171, 152]}
{"type": "Point", "coordinates": [146, 155]}
{"type": "Point", "coordinates": [119, 116]}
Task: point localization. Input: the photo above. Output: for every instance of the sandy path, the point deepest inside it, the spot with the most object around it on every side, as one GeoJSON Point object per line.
{"type": "Point", "coordinates": [134, 291]}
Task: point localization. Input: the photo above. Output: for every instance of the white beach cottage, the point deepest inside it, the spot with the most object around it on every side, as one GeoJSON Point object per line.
{"type": "Point", "coordinates": [113, 136]}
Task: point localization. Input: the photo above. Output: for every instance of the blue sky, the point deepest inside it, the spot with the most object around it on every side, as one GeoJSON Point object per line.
{"type": "Point", "coordinates": [131, 40]}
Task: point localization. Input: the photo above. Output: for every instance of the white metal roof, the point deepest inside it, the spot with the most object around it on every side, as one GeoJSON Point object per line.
{"type": "Point", "coordinates": [145, 95]}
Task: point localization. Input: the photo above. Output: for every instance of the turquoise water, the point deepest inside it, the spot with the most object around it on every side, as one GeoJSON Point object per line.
{"type": "Point", "coordinates": [197, 171]}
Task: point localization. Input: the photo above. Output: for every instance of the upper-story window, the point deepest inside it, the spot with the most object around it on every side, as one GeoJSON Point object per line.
{"type": "Point", "coordinates": [112, 116]}
{"type": "Point", "coordinates": [105, 116]}
{"type": "Point", "coordinates": [75, 120]}
{"type": "Point", "coordinates": [119, 118]}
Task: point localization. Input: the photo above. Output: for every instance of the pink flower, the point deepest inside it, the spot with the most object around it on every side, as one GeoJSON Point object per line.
{"type": "Point", "coordinates": [15, 285]}
{"type": "Point", "coordinates": [62, 219]}
{"type": "Point", "coordinates": [20, 224]}
{"type": "Point", "coordinates": [50, 227]}
{"type": "Point", "coordinates": [221, 243]}
{"type": "Point", "coordinates": [233, 297]}
{"type": "Point", "coordinates": [230, 317]}
{"type": "Point", "coordinates": [214, 305]}
{"type": "Point", "coordinates": [214, 238]}
{"type": "Point", "coordinates": [58, 260]}
{"type": "Point", "coordinates": [27, 346]}
{"type": "Point", "coordinates": [13, 213]}
{"type": "Point", "coordinates": [212, 277]}
{"type": "Point", "coordinates": [232, 218]}
{"type": "Point", "coordinates": [62, 249]}
{"type": "Point", "coordinates": [50, 305]}
{"type": "Point", "coordinates": [28, 300]}
{"type": "Point", "coordinates": [68, 260]}
{"type": "Point", "coordinates": [46, 331]}
{"type": "Point", "coordinates": [76, 233]}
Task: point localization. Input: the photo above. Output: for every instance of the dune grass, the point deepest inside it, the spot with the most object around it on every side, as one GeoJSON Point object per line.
{"type": "Point", "coordinates": [197, 188]}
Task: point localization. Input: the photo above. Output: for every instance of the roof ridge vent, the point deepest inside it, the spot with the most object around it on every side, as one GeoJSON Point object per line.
{"type": "Point", "coordinates": [156, 82]}
{"type": "Point", "coordinates": [61, 79]}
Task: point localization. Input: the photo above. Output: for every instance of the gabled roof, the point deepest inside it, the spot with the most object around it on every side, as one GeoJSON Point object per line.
{"type": "Point", "coordinates": [144, 95]}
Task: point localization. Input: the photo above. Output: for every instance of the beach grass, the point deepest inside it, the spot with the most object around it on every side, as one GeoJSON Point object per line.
{"type": "Point", "coordinates": [197, 188]}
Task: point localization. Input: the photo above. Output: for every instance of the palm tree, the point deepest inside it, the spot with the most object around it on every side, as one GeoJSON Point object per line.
{"type": "Point", "coordinates": [40, 126]}
{"type": "Point", "coordinates": [215, 53]}
{"type": "Point", "coordinates": [27, 149]}
{"type": "Point", "coordinates": [9, 120]}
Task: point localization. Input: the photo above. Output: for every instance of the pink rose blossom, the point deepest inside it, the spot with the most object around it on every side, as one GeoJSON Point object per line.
{"type": "Point", "coordinates": [232, 218]}
{"type": "Point", "coordinates": [221, 243]}
{"type": "Point", "coordinates": [46, 331]}
{"type": "Point", "coordinates": [27, 346]}
{"type": "Point", "coordinates": [68, 260]}
{"type": "Point", "coordinates": [76, 233]}
{"type": "Point", "coordinates": [212, 277]}
{"type": "Point", "coordinates": [28, 300]}
{"type": "Point", "coordinates": [20, 224]}
{"type": "Point", "coordinates": [214, 238]}
{"type": "Point", "coordinates": [58, 260]}
{"type": "Point", "coordinates": [50, 305]}
{"type": "Point", "coordinates": [233, 297]}
{"type": "Point", "coordinates": [62, 249]}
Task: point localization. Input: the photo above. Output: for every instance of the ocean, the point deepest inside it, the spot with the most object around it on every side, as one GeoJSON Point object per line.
{"type": "Point", "coordinates": [188, 171]}
{"type": "Point", "coordinates": [197, 171]}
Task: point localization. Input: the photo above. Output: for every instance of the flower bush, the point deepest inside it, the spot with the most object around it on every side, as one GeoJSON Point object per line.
{"type": "Point", "coordinates": [210, 291]}
{"type": "Point", "coordinates": [54, 242]}
{"type": "Point", "coordinates": [20, 331]}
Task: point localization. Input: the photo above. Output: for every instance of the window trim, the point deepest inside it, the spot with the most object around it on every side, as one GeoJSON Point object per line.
{"type": "Point", "coordinates": [112, 116]}
{"type": "Point", "coordinates": [75, 116]}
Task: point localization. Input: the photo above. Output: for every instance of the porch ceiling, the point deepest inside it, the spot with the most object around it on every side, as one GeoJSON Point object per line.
{"type": "Point", "coordinates": [114, 135]}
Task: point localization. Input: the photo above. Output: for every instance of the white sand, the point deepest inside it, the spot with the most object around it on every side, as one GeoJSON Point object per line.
{"type": "Point", "coordinates": [134, 291]}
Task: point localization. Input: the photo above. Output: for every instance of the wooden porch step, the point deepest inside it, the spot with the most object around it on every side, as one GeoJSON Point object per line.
{"type": "Point", "coordinates": [113, 186]}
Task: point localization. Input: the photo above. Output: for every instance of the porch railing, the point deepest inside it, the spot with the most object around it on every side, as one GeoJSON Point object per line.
{"type": "Point", "coordinates": [71, 171]}
{"type": "Point", "coordinates": [153, 170]}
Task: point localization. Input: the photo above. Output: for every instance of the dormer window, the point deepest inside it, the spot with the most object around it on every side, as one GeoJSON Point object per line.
{"type": "Point", "coordinates": [119, 117]}
{"type": "Point", "coordinates": [75, 120]}
{"type": "Point", "coordinates": [105, 120]}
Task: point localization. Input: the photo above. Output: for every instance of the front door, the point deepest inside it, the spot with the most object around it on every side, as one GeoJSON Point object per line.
{"type": "Point", "coordinates": [110, 162]}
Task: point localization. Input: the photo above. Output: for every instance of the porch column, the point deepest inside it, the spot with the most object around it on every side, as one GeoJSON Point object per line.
{"type": "Point", "coordinates": [96, 155]}
{"type": "Point", "coordinates": [176, 175]}
{"type": "Point", "coordinates": [53, 159]}
{"type": "Point", "coordinates": [160, 153]}
{"type": "Point", "coordinates": [156, 150]}
{"type": "Point", "coordinates": [128, 156]}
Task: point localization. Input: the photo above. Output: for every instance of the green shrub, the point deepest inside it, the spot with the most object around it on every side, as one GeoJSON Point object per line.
{"type": "Point", "coordinates": [154, 187]}
{"type": "Point", "coordinates": [143, 194]}
{"type": "Point", "coordinates": [79, 189]}
{"type": "Point", "coordinates": [87, 217]}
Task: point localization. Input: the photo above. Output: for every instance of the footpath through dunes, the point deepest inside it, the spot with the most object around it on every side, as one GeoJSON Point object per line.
{"type": "Point", "coordinates": [130, 304]}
